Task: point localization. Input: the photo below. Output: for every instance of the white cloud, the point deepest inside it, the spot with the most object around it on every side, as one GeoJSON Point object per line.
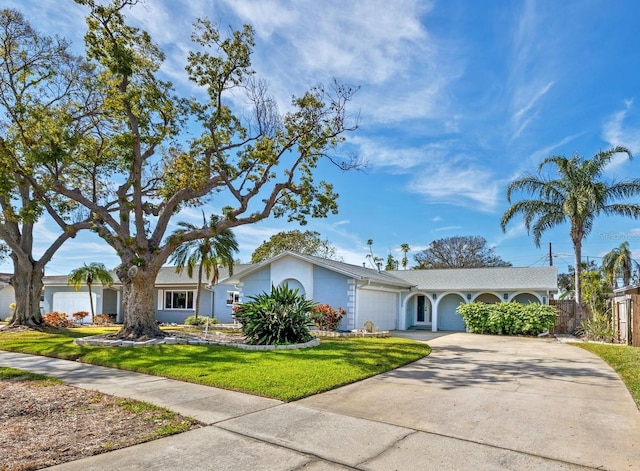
{"type": "Point", "coordinates": [446, 228]}
{"type": "Point", "coordinates": [396, 158]}
{"type": "Point", "coordinates": [457, 182]}
{"type": "Point", "coordinates": [514, 231]}
{"type": "Point", "coordinates": [314, 32]}
{"type": "Point", "coordinates": [618, 131]}
{"type": "Point", "coordinates": [525, 102]}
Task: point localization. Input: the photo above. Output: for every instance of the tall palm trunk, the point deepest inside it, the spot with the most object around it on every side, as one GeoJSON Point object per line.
{"type": "Point", "coordinates": [196, 308]}
{"type": "Point", "coordinates": [93, 314]}
{"type": "Point", "coordinates": [577, 250]}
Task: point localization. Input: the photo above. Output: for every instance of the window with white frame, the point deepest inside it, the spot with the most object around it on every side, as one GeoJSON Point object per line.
{"type": "Point", "coordinates": [233, 297]}
{"type": "Point", "coordinates": [178, 299]}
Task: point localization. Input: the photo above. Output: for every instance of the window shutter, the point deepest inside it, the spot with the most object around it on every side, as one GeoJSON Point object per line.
{"type": "Point", "coordinates": [160, 300]}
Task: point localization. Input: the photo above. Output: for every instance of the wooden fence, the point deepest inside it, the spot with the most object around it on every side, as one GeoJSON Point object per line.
{"type": "Point", "coordinates": [625, 313]}
{"type": "Point", "coordinates": [567, 321]}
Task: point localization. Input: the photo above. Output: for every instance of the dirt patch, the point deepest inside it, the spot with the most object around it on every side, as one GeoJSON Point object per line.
{"type": "Point", "coordinates": [44, 424]}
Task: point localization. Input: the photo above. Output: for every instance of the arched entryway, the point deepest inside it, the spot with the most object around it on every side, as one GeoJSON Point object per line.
{"type": "Point", "coordinates": [419, 311]}
{"type": "Point", "coordinates": [487, 298]}
{"type": "Point", "coordinates": [526, 298]}
{"type": "Point", "coordinates": [448, 318]}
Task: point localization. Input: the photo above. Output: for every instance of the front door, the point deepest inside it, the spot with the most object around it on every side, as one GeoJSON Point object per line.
{"type": "Point", "coordinates": [420, 310]}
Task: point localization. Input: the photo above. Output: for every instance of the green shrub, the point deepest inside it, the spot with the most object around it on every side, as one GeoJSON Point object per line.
{"type": "Point", "coordinates": [507, 318]}
{"type": "Point", "coordinates": [201, 320]}
{"type": "Point", "coordinates": [598, 328]}
{"type": "Point", "coordinates": [327, 318]}
{"type": "Point", "coordinates": [279, 317]}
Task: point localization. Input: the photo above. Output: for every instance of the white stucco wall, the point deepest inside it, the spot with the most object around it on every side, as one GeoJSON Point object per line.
{"type": "Point", "coordinates": [378, 306]}
{"type": "Point", "coordinates": [291, 268]}
{"type": "Point", "coordinates": [7, 296]}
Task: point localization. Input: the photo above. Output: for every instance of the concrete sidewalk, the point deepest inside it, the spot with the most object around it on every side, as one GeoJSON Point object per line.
{"type": "Point", "coordinates": [477, 402]}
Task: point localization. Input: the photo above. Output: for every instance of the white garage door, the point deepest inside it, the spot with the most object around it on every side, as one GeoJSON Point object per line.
{"type": "Point", "coordinates": [380, 307]}
{"type": "Point", "coordinates": [72, 302]}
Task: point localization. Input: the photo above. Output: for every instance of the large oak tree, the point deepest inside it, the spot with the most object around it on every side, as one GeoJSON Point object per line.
{"type": "Point", "coordinates": [256, 161]}
{"type": "Point", "coordinates": [459, 252]}
{"type": "Point", "coordinates": [47, 109]}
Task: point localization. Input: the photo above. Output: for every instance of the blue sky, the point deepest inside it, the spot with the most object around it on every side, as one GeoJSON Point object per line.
{"type": "Point", "coordinates": [457, 99]}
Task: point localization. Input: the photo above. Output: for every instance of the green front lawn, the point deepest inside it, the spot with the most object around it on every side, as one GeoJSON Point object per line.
{"type": "Point", "coordinates": [624, 360]}
{"type": "Point", "coordinates": [281, 374]}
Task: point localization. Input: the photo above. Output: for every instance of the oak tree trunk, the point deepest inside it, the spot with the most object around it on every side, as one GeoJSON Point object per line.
{"type": "Point", "coordinates": [27, 285]}
{"type": "Point", "coordinates": [139, 321]}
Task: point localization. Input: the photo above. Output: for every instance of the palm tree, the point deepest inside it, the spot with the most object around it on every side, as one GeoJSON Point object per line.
{"type": "Point", "coordinates": [207, 254]}
{"type": "Point", "coordinates": [89, 274]}
{"type": "Point", "coordinates": [618, 264]}
{"type": "Point", "coordinates": [405, 249]}
{"type": "Point", "coordinates": [577, 195]}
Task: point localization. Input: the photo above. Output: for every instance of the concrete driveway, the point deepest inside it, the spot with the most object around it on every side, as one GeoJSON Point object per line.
{"type": "Point", "coordinates": [480, 398]}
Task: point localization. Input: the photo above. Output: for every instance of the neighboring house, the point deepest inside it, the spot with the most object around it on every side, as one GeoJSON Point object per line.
{"type": "Point", "coordinates": [174, 296]}
{"type": "Point", "coordinates": [7, 295]}
{"type": "Point", "coordinates": [59, 296]}
{"type": "Point", "coordinates": [390, 299]}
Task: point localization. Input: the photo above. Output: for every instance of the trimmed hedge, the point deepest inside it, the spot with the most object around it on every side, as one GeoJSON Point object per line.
{"type": "Point", "coordinates": [507, 318]}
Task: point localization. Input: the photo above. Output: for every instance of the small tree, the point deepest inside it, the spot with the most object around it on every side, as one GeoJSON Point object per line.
{"type": "Point", "coordinates": [595, 292]}
{"type": "Point", "coordinates": [392, 263]}
{"type": "Point", "coordinates": [617, 264]}
{"type": "Point", "coordinates": [306, 243]}
{"type": "Point", "coordinates": [79, 316]}
{"type": "Point", "coordinates": [207, 254]}
{"type": "Point", "coordinates": [405, 249]}
{"type": "Point", "coordinates": [89, 274]}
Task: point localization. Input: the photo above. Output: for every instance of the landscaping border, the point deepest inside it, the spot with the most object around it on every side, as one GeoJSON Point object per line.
{"type": "Point", "coordinates": [99, 341]}
{"type": "Point", "coordinates": [352, 333]}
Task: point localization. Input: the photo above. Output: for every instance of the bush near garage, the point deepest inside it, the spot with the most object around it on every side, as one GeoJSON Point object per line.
{"type": "Point", "coordinates": [507, 318]}
{"type": "Point", "coordinates": [327, 318]}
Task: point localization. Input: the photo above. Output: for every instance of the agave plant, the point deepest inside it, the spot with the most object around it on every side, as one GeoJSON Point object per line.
{"type": "Point", "coordinates": [276, 318]}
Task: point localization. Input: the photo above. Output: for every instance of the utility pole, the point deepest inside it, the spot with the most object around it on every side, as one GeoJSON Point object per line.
{"type": "Point", "coordinates": [550, 256]}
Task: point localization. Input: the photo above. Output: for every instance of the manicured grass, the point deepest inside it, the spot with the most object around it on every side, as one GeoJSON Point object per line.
{"type": "Point", "coordinates": [624, 360]}
{"type": "Point", "coordinates": [281, 374]}
{"type": "Point", "coordinates": [12, 374]}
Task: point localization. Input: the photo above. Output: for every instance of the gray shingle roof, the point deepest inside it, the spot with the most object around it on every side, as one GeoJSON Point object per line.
{"type": "Point", "coordinates": [481, 279]}
{"type": "Point", "coordinates": [457, 279]}
{"type": "Point", "coordinates": [166, 276]}
{"type": "Point", "coordinates": [353, 271]}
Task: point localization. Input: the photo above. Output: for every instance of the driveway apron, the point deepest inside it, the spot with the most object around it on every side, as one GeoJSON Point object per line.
{"type": "Point", "coordinates": [536, 397]}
